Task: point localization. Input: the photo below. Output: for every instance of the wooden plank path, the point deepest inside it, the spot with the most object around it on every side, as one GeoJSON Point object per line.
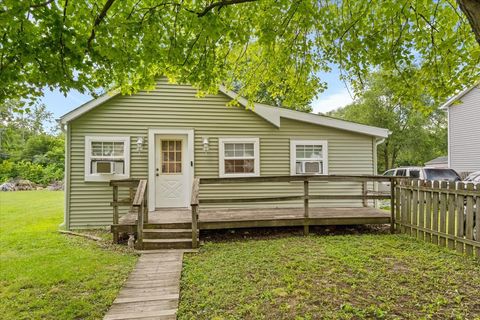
{"type": "Point", "coordinates": [152, 289]}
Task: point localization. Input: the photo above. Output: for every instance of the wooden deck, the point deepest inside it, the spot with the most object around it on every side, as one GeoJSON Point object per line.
{"type": "Point", "coordinates": [256, 217]}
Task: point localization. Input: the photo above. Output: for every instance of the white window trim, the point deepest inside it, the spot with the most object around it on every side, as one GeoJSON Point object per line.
{"type": "Point", "coordinates": [293, 160]}
{"type": "Point", "coordinates": [221, 156]}
{"type": "Point", "coordinates": [88, 155]}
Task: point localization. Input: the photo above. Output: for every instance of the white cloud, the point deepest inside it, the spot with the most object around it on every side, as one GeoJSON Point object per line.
{"type": "Point", "coordinates": [328, 102]}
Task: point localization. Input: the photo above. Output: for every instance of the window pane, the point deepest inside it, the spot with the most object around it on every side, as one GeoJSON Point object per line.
{"type": "Point", "coordinates": [298, 167]}
{"type": "Point", "coordinates": [178, 167]}
{"type": "Point", "coordinates": [118, 149]}
{"type": "Point", "coordinates": [414, 174]}
{"type": "Point", "coordinates": [317, 152]}
{"type": "Point", "coordinates": [96, 148]}
{"type": "Point", "coordinates": [171, 156]}
{"type": "Point", "coordinates": [240, 166]}
{"type": "Point", "coordinates": [249, 150]}
{"type": "Point", "coordinates": [309, 151]}
{"type": "Point", "coordinates": [229, 150]}
{"type": "Point", "coordinates": [239, 149]}
{"type": "Point", "coordinates": [389, 173]}
{"type": "Point", "coordinates": [107, 149]}
{"type": "Point", "coordinates": [300, 151]}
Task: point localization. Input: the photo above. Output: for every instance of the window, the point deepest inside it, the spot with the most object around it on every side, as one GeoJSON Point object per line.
{"type": "Point", "coordinates": [239, 157]}
{"type": "Point", "coordinates": [308, 157]}
{"type": "Point", "coordinates": [171, 156]}
{"type": "Point", "coordinates": [401, 172]}
{"type": "Point", "coordinates": [107, 158]}
{"type": "Point", "coordinates": [415, 174]}
{"type": "Point", "coordinates": [389, 173]}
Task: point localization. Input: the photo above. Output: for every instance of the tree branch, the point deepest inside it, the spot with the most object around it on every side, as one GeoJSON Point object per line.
{"type": "Point", "coordinates": [43, 4]}
{"type": "Point", "coordinates": [99, 20]}
{"type": "Point", "coordinates": [220, 4]}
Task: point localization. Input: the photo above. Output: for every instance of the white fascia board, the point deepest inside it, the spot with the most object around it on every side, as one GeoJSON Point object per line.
{"type": "Point", "coordinates": [77, 112]}
{"type": "Point", "coordinates": [334, 123]}
{"type": "Point", "coordinates": [269, 113]}
{"type": "Point", "coordinates": [273, 114]}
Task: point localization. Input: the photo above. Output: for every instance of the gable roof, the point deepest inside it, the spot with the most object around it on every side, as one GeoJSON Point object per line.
{"type": "Point", "coordinates": [459, 96]}
{"type": "Point", "coordinates": [438, 160]}
{"type": "Point", "coordinates": [269, 113]}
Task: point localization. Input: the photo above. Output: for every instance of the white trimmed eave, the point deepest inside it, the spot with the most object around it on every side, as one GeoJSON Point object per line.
{"type": "Point", "coordinates": [268, 113]}
{"type": "Point", "coordinates": [273, 115]}
{"type": "Point", "coordinates": [77, 112]}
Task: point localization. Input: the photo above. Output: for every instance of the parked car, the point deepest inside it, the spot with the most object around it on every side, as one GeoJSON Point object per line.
{"type": "Point", "coordinates": [425, 173]}
{"type": "Point", "coordinates": [422, 173]}
{"type": "Point", "coordinates": [473, 177]}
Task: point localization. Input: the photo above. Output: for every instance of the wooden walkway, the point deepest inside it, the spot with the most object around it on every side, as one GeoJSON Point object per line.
{"type": "Point", "coordinates": [152, 289]}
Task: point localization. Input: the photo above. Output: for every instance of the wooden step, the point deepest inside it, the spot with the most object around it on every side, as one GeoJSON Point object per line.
{"type": "Point", "coordinates": [152, 244]}
{"type": "Point", "coordinates": [167, 233]}
{"type": "Point", "coordinates": [169, 225]}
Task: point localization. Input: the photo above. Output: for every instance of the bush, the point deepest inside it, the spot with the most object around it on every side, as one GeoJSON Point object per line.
{"type": "Point", "coordinates": [30, 171]}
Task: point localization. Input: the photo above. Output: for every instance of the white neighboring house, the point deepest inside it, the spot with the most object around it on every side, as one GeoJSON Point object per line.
{"type": "Point", "coordinates": [464, 130]}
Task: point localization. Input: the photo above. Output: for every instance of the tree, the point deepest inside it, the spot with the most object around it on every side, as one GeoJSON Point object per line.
{"type": "Point", "coordinates": [278, 46]}
{"type": "Point", "coordinates": [18, 127]}
{"type": "Point", "coordinates": [28, 150]}
{"type": "Point", "coordinates": [417, 135]}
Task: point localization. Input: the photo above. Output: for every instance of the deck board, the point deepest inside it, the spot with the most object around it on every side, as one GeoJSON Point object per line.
{"type": "Point", "coordinates": [258, 217]}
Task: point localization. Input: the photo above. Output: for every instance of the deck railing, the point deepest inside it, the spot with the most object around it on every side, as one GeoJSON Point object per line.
{"type": "Point", "coordinates": [136, 200]}
{"type": "Point", "coordinates": [140, 204]}
{"type": "Point", "coordinates": [364, 196]}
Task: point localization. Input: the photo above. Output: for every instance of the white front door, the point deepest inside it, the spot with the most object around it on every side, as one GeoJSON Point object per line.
{"type": "Point", "coordinates": [171, 171]}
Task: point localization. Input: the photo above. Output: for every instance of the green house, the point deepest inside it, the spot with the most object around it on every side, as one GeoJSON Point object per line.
{"type": "Point", "coordinates": [170, 135]}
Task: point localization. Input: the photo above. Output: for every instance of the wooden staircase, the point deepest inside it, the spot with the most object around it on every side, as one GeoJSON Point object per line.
{"type": "Point", "coordinates": [172, 238]}
{"type": "Point", "coordinates": [153, 236]}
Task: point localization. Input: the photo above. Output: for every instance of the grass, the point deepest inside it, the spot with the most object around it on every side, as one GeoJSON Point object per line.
{"type": "Point", "coordinates": [47, 275]}
{"type": "Point", "coordinates": [329, 277]}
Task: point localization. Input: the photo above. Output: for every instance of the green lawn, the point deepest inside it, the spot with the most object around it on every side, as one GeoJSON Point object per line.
{"type": "Point", "coordinates": [46, 275]}
{"type": "Point", "coordinates": [329, 277]}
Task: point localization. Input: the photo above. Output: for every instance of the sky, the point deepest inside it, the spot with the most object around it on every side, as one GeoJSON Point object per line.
{"type": "Point", "coordinates": [335, 96]}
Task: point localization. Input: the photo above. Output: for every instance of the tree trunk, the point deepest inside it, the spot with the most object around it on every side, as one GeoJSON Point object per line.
{"type": "Point", "coordinates": [471, 8]}
{"type": "Point", "coordinates": [385, 158]}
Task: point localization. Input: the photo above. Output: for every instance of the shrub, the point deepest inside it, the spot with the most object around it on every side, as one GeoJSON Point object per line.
{"type": "Point", "coordinates": [34, 172]}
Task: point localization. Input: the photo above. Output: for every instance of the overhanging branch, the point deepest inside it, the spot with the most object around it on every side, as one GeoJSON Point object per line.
{"type": "Point", "coordinates": [99, 20]}
{"type": "Point", "coordinates": [220, 4]}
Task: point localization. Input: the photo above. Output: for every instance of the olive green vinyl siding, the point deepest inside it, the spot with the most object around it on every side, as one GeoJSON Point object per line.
{"type": "Point", "coordinates": [177, 106]}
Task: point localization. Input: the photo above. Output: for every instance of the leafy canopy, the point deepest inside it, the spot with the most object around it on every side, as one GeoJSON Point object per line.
{"type": "Point", "coordinates": [278, 47]}
{"type": "Point", "coordinates": [417, 135]}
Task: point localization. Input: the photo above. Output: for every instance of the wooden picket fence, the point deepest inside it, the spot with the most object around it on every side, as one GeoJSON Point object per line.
{"type": "Point", "coordinates": [443, 213]}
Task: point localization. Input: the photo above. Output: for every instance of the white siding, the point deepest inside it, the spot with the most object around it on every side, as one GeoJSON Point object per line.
{"type": "Point", "coordinates": [464, 133]}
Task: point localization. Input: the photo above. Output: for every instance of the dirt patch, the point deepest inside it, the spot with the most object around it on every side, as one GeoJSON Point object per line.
{"type": "Point", "coordinates": [282, 232]}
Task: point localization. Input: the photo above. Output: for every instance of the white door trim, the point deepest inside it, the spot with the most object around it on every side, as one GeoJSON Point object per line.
{"type": "Point", "coordinates": [151, 160]}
